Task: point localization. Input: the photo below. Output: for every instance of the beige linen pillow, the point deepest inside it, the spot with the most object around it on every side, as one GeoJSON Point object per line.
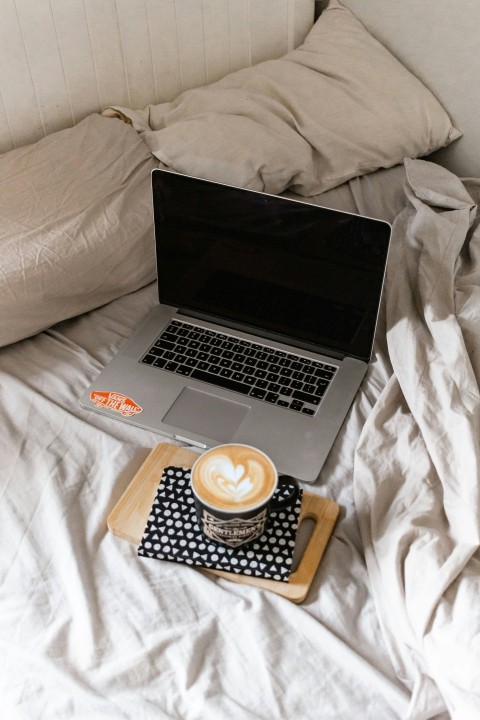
{"type": "Point", "coordinates": [339, 106]}
{"type": "Point", "coordinates": [75, 224]}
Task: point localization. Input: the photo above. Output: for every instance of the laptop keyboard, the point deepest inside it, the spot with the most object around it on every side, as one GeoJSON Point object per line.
{"type": "Point", "coordinates": [279, 378]}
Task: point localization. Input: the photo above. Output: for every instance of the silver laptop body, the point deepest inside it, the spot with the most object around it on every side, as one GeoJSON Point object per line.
{"type": "Point", "coordinates": [264, 327]}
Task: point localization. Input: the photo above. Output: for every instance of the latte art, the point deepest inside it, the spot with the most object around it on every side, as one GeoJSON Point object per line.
{"type": "Point", "coordinates": [233, 477]}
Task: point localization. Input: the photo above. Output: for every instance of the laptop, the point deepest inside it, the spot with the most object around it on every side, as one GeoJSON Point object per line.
{"type": "Point", "coordinates": [264, 326]}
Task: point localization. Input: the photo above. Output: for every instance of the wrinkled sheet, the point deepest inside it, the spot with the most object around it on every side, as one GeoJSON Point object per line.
{"type": "Point", "coordinates": [88, 630]}
{"type": "Point", "coordinates": [417, 466]}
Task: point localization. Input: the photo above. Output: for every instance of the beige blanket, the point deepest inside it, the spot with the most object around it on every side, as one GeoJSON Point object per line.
{"type": "Point", "coordinates": [418, 460]}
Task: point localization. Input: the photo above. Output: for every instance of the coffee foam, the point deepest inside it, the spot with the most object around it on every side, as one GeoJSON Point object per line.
{"type": "Point", "coordinates": [233, 477]}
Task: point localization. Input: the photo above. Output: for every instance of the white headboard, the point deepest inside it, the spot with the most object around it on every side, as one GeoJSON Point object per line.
{"type": "Point", "coordinates": [439, 41]}
{"type": "Point", "coordinates": [63, 59]}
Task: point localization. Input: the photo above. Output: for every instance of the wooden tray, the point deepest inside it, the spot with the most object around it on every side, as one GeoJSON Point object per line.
{"type": "Point", "coordinates": [129, 517]}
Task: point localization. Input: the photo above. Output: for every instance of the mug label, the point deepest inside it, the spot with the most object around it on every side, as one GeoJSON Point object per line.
{"type": "Point", "coordinates": [233, 532]}
{"type": "Point", "coordinates": [116, 402]}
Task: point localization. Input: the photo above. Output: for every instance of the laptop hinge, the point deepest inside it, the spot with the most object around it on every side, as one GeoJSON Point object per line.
{"type": "Point", "coordinates": [266, 334]}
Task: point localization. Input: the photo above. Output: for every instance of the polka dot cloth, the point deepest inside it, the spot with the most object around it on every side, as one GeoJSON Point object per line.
{"type": "Point", "coordinates": [173, 533]}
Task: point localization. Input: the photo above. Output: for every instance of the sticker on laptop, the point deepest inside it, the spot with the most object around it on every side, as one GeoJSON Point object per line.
{"type": "Point", "coordinates": [116, 402]}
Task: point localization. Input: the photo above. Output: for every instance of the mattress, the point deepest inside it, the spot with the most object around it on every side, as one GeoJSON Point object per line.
{"type": "Point", "coordinates": [90, 630]}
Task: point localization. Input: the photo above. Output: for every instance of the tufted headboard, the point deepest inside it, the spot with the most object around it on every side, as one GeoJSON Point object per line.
{"type": "Point", "coordinates": [63, 59]}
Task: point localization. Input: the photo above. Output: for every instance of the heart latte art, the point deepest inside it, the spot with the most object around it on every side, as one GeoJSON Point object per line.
{"type": "Point", "coordinates": [233, 477]}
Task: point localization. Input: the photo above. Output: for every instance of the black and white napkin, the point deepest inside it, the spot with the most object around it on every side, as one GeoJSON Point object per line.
{"type": "Point", "coordinates": [173, 533]}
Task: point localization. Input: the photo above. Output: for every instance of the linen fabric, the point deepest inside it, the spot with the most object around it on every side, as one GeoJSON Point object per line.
{"type": "Point", "coordinates": [90, 630]}
{"type": "Point", "coordinates": [76, 227]}
{"type": "Point", "coordinates": [339, 106]}
{"type": "Point", "coordinates": [417, 464]}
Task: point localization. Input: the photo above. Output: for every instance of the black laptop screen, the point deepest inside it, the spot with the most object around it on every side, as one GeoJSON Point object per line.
{"type": "Point", "coordinates": [306, 274]}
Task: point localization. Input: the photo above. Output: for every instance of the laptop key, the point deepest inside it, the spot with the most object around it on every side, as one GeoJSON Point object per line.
{"type": "Point", "coordinates": [156, 351]}
{"type": "Point", "coordinates": [324, 374]}
{"type": "Point", "coordinates": [271, 397]}
{"type": "Point", "coordinates": [165, 344]}
{"type": "Point", "coordinates": [304, 397]}
{"type": "Point", "coordinates": [168, 337]}
{"type": "Point", "coordinates": [171, 366]}
{"type": "Point", "coordinates": [183, 370]}
{"type": "Point", "coordinates": [223, 382]}
{"type": "Point", "coordinates": [148, 359]}
{"type": "Point", "coordinates": [272, 377]}
{"type": "Point", "coordinates": [258, 393]}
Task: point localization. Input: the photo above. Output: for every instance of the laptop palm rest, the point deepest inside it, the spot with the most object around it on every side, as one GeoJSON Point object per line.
{"type": "Point", "coordinates": [206, 414]}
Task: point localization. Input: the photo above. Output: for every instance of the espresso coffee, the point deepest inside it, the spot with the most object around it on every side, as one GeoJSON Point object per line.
{"type": "Point", "coordinates": [234, 478]}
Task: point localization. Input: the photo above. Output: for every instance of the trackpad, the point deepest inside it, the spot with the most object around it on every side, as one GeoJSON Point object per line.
{"type": "Point", "coordinates": [206, 414]}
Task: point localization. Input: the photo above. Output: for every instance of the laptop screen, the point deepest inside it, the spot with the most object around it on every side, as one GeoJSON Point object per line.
{"type": "Point", "coordinates": [307, 275]}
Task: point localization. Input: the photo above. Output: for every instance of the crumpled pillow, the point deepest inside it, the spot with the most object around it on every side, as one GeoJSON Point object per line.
{"type": "Point", "coordinates": [76, 228]}
{"type": "Point", "coordinates": [339, 106]}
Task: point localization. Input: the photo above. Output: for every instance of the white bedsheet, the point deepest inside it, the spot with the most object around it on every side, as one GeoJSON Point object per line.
{"type": "Point", "coordinates": [417, 467]}
{"type": "Point", "coordinates": [90, 630]}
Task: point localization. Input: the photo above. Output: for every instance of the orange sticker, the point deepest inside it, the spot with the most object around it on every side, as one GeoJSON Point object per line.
{"type": "Point", "coordinates": [116, 402]}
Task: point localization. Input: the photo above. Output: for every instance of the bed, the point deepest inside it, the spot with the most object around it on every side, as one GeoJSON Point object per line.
{"type": "Point", "coordinates": [93, 97]}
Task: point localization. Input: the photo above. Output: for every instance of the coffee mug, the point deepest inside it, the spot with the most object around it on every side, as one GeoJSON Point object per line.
{"type": "Point", "coordinates": [233, 487]}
